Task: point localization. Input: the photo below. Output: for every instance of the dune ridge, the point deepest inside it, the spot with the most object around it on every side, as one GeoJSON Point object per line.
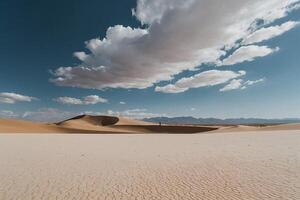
{"type": "Point", "coordinates": [111, 124]}
{"type": "Point", "coordinates": [96, 124]}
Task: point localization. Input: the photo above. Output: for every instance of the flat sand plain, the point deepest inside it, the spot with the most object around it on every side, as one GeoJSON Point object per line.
{"type": "Point", "coordinates": [239, 165]}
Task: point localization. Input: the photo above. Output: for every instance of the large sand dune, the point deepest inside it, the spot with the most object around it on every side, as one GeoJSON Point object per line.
{"type": "Point", "coordinates": [109, 124]}
{"type": "Point", "coordinates": [95, 124]}
{"type": "Point", "coordinates": [20, 126]}
{"type": "Point", "coordinates": [243, 166]}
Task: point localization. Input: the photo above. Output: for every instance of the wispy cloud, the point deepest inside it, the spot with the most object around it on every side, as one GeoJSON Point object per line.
{"type": "Point", "coordinates": [134, 113]}
{"type": "Point", "coordinates": [12, 98]}
{"type": "Point", "coordinates": [8, 114]}
{"type": "Point", "coordinates": [233, 85]}
{"type": "Point", "coordinates": [88, 100]}
{"type": "Point", "coordinates": [236, 84]}
{"type": "Point", "coordinates": [269, 32]}
{"type": "Point", "coordinates": [138, 113]}
{"type": "Point", "coordinates": [203, 79]}
{"type": "Point", "coordinates": [56, 115]}
{"type": "Point", "coordinates": [48, 115]}
{"type": "Point", "coordinates": [248, 53]}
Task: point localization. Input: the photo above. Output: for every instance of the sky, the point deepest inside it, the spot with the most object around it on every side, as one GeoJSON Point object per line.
{"type": "Point", "coordinates": [149, 58]}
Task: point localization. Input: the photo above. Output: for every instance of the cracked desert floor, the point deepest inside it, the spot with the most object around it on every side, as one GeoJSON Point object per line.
{"type": "Point", "coordinates": [248, 165]}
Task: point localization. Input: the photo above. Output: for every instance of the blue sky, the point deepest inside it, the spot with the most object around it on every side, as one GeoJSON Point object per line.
{"type": "Point", "coordinates": [149, 58]}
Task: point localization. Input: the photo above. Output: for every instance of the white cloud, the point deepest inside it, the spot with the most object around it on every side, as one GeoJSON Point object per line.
{"type": "Point", "coordinates": [248, 53]}
{"type": "Point", "coordinates": [93, 99]}
{"type": "Point", "coordinates": [233, 85]}
{"type": "Point", "coordinates": [180, 35]}
{"type": "Point", "coordinates": [12, 98]}
{"type": "Point", "coordinates": [69, 100]}
{"type": "Point", "coordinates": [149, 12]}
{"type": "Point", "coordinates": [122, 102]}
{"type": "Point", "coordinates": [268, 33]}
{"type": "Point", "coordinates": [48, 115]}
{"type": "Point", "coordinates": [203, 79]}
{"type": "Point", "coordinates": [170, 89]}
{"type": "Point", "coordinates": [131, 113]}
{"type": "Point", "coordinates": [56, 115]}
{"type": "Point", "coordinates": [88, 100]}
{"type": "Point", "coordinates": [134, 113]}
{"type": "Point", "coordinates": [236, 84]}
{"type": "Point", "coordinates": [295, 7]}
{"type": "Point", "coordinates": [254, 82]}
{"type": "Point", "coordinates": [8, 114]}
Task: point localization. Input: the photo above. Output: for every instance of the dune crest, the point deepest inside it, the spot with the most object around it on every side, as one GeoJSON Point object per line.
{"type": "Point", "coordinates": [94, 120]}
{"type": "Point", "coordinates": [111, 124]}
{"type": "Point", "coordinates": [96, 124]}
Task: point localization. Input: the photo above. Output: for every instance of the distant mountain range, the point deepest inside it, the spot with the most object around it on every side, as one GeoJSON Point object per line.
{"type": "Point", "coordinates": [210, 121]}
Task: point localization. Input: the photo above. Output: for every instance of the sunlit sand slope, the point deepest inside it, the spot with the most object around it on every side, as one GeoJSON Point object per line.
{"type": "Point", "coordinates": [95, 124]}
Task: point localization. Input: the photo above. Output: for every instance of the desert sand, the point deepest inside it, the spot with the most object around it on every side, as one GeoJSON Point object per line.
{"type": "Point", "coordinates": [239, 165]}
{"type": "Point", "coordinates": [96, 124]}
{"type": "Point", "coordinates": [112, 125]}
{"type": "Point", "coordinates": [223, 162]}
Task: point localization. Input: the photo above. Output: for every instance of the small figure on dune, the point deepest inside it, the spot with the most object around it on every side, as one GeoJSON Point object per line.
{"type": "Point", "coordinates": [159, 123]}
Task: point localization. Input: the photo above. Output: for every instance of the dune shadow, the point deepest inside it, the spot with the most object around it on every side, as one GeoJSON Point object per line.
{"type": "Point", "coordinates": [95, 120]}
{"type": "Point", "coordinates": [107, 121]}
{"type": "Point", "coordinates": [166, 128]}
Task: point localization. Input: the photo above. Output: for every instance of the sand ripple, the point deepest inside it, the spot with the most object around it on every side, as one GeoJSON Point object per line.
{"type": "Point", "coordinates": [206, 166]}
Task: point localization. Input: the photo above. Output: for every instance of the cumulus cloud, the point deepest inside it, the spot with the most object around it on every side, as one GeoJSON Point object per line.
{"type": "Point", "coordinates": [88, 100]}
{"type": "Point", "coordinates": [149, 12]}
{"type": "Point", "coordinates": [236, 84]}
{"type": "Point", "coordinates": [179, 35]}
{"type": "Point", "coordinates": [12, 98]}
{"type": "Point", "coordinates": [248, 53]}
{"type": "Point", "coordinates": [203, 79]}
{"type": "Point", "coordinates": [268, 33]}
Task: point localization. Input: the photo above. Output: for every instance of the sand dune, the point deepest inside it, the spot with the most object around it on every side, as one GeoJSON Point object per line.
{"type": "Point", "coordinates": [256, 166]}
{"type": "Point", "coordinates": [19, 126]}
{"type": "Point", "coordinates": [92, 123]}
{"type": "Point", "coordinates": [283, 127]}
{"type": "Point", "coordinates": [232, 162]}
{"type": "Point", "coordinates": [256, 128]}
{"type": "Point", "coordinates": [238, 128]}
{"type": "Point", "coordinates": [96, 124]}
{"type": "Point", "coordinates": [109, 124]}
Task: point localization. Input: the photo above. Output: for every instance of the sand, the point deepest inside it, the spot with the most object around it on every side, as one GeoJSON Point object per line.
{"type": "Point", "coordinates": [117, 125]}
{"type": "Point", "coordinates": [247, 165]}
{"type": "Point", "coordinates": [255, 128]}
{"type": "Point", "coordinates": [96, 125]}
{"type": "Point", "coordinates": [21, 126]}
